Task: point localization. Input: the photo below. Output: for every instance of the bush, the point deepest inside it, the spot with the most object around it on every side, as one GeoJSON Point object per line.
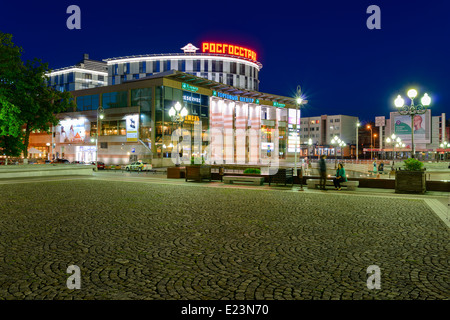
{"type": "Point", "coordinates": [193, 160]}
{"type": "Point", "coordinates": [252, 170]}
{"type": "Point", "coordinates": [412, 164]}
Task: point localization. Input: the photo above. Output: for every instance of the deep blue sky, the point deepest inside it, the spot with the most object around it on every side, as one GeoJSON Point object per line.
{"type": "Point", "coordinates": [324, 46]}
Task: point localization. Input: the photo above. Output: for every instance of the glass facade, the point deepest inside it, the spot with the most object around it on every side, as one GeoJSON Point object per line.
{"type": "Point", "coordinates": [198, 110]}
{"type": "Point", "coordinates": [113, 127]}
{"type": "Point", "coordinates": [142, 98]}
{"type": "Point", "coordinates": [86, 103]}
{"type": "Point", "coordinates": [115, 99]}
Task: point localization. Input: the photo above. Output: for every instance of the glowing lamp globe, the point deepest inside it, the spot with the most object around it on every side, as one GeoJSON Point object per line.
{"type": "Point", "coordinates": [412, 93]}
{"type": "Point", "coordinates": [426, 100]}
{"type": "Point", "coordinates": [399, 102]}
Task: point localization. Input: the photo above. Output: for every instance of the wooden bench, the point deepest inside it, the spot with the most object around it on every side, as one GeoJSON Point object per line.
{"type": "Point", "coordinates": [313, 183]}
{"type": "Point", "coordinates": [255, 180]}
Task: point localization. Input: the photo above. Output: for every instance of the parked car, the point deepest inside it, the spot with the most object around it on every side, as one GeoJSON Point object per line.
{"type": "Point", "coordinates": [78, 162]}
{"type": "Point", "coordinates": [65, 161]}
{"type": "Point", "coordinates": [100, 165]}
{"type": "Point", "coordinates": [47, 161]}
{"type": "Point", "coordinates": [138, 166]}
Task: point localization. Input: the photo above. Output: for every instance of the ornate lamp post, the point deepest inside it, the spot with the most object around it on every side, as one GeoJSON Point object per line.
{"type": "Point", "coordinates": [395, 141]}
{"type": "Point", "coordinates": [342, 144]}
{"type": "Point", "coordinates": [298, 101]}
{"type": "Point", "coordinates": [412, 110]}
{"type": "Point", "coordinates": [178, 113]}
{"type": "Point", "coordinates": [100, 115]}
{"type": "Point", "coordinates": [335, 141]}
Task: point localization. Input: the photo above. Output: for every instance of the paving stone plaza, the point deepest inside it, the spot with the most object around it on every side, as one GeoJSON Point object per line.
{"type": "Point", "coordinates": [163, 241]}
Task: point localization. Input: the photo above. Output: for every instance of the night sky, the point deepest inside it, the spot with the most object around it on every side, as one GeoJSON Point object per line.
{"type": "Point", "coordinates": [324, 46]}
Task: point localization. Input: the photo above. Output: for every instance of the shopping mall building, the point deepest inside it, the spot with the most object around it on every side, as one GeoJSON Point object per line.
{"type": "Point", "coordinates": [228, 120]}
{"type": "Point", "coordinates": [227, 124]}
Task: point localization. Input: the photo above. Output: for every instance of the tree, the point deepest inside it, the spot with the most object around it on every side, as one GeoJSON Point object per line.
{"type": "Point", "coordinates": [39, 103]}
{"type": "Point", "coordinates": [26, 101]}
{"type": "Point", "coordinates": [10, 126]}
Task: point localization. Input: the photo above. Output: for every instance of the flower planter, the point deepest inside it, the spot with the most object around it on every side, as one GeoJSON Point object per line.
{"type": "Point", "coordinates": [175, 172]}
{"type": "Point", "coordinates": [198, 172]}
{"type": "Point", "coordinates": [407, 181]}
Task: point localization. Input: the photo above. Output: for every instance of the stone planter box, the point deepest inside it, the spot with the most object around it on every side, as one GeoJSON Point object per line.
{"type": "Point", "coordinates": [410, 182]}
{"type": "Point", "coordinates": [198, 173]}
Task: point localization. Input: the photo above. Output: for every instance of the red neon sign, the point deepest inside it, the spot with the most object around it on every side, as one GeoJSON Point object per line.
{"type": "Point", "coordinates": [222, 48]}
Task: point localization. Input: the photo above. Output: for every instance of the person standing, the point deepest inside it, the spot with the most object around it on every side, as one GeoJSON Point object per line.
{"type": "Point", "coordinates": [340, 177]}
{"type": "Point", "coordinates": [322, 172]}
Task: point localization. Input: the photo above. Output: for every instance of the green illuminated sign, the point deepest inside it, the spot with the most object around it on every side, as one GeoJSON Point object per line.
{"type": "Point", "coordinates": [235, 98]}
{"type": "Point", "coordinates": [186, 86]}
{"type": "Point", "coordinates": [279, 105]}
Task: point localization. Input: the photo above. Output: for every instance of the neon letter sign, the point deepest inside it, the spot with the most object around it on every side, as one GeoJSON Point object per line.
{"type": "Point", "coordinates": [211, 47]}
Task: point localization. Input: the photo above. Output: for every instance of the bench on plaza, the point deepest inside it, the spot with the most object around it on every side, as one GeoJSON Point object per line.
{"type": "Point", "coordinates": [283, 176]}
{"type": "Point", "coordinates": [254, 180]}
{"type": "Point", "coordinates": [350, 185]}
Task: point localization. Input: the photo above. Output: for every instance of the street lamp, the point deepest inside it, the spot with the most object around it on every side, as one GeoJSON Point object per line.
{"type": "Point", "coordinates": [371, 147]}
{"type": "Point", "coordinates": [335, 141]}
{"type": "Point", "coordinates": [48, 147]}
{"type": "Point", "coordinates": [399, 144]}
{"type": "Point", "coordinates": [341, 145]}
{"type": "Point", "coordinates": [357, 132]}
{"type": "Point", "coordinates": [412, 110]}
{"type": "Point", "coordinates": [309, 145]}
{"type": "Point", "coordinates": [178, 113]}
{"type": "Point", "coordinates": [395, 141]}
{"type": "Point", "coordinates": [445, 145]}
{"type": "Point", "coordinates": [298, 100]}
{"type": "Point", "coordinates": [100, 115]}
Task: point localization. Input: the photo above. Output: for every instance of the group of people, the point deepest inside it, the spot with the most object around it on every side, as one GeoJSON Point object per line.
{"type": "Point", "coordinates": [340, 175]}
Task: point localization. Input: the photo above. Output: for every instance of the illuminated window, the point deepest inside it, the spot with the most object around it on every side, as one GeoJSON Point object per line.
{"type": "Point", "coordinates": [142, 67]}
{"type": "Point", "coordinates": [126, 68]}
{"type": "Point", "coordinates": [88, 102]}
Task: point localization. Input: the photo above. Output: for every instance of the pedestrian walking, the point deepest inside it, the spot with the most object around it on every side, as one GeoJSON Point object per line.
{"type": "Point", "coordinates": [323, 172]}
{"type": "Point", "coordinates": [340, 177]}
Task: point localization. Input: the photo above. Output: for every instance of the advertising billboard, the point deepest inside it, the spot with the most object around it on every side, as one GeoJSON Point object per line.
{"type": "Point", "coordinates": [380, 121]}
{"type": "Point", "coordinates": [132, 126]}
{"type": "Point", "coordinates": [421, 126]}
{"type": "Point", "coordinates": [72, 130]}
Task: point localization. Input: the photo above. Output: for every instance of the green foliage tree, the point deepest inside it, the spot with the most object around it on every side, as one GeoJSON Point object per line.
{"type": "Point", "coordinates": [26, 101]}
{"type": "Point", "coordinates": [39, 103]}
{"type": "Point", "coordinates": [10, 68]}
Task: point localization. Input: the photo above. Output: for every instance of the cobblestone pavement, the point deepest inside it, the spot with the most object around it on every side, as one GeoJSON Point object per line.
{"type": "Point", "coordinates": [161, 241]}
